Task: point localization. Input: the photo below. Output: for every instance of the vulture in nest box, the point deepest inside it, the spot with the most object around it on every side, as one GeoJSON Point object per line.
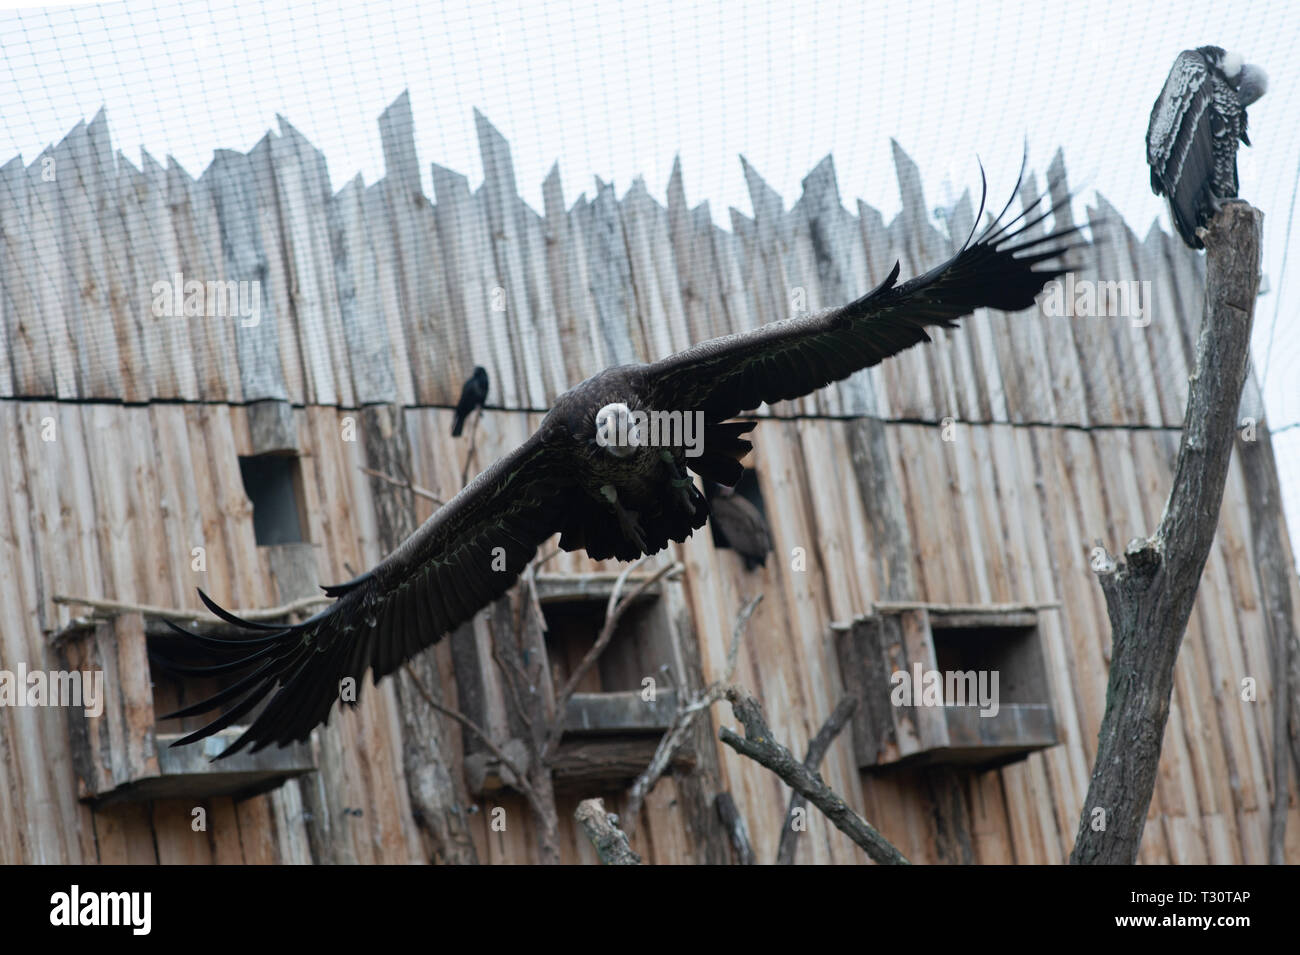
{"type": "Point", "coordinates": [1192, 136]}
{"type": "Point", "coordinates": [607, 469]}
{"type": "Point", "coordinates": [740, 524]}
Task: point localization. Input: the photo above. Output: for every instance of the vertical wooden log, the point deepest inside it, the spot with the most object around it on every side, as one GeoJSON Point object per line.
{"type": "Point", "coordinates": [257, 338]}
{"type": "Point", "coordinates": [426, 759]}
{"type": "Point", "coordinates": [356, 277]}
{"type": "Point", "coordinates": [1273, 563]}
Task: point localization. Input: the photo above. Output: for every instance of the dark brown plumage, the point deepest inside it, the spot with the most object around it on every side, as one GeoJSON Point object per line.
{"type": "Point", "coordinates": [1192, 135]}
{"type": "Point", "coordinates": [619, 499]}
{"type": "Point", "coordinates": [741, 525]}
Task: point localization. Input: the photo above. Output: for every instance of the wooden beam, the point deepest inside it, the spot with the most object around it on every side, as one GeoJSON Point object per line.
{"type": "Point", "coordinates": [567, 588]}
{"type": "Point", "coordinates": [620, 712]}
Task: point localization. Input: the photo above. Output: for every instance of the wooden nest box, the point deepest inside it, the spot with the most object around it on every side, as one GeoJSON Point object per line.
{"type": "Point", "coordinates": [612, 723]}
{"type": "Point", "coordinates": [959, 688]}
{"type": "Point", "coordinates": [124, 753]}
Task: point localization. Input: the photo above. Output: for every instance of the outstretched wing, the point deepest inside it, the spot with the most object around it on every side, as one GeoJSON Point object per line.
{"type": "Point", "coordinates": [468, 553]}
{"type": "Point", "coordinates": [726, 376]}
{"type": "Point", "coordinates": [1180, 143]}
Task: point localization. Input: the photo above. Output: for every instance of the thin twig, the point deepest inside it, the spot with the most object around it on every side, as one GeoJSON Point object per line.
{"type": "Point", "coordinates": [477, 730]}
{"type": "Point", "coordinates": [737, 630]}
{"type": "Point", "coordinates": [473, 445]}
{"type": "Point", "coordinates": [548, 556]}
{"type": "Point", "coordinates": [405, 485]}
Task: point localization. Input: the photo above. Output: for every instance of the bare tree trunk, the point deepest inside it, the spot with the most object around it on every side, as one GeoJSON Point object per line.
{"type": "Point", "coordinates": [1149, 597]}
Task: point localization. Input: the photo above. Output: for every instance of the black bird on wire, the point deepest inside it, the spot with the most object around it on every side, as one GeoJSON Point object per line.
{"type": "Point", "coordinates": [472, 395]}
{"type": "Point", "coordinates": [1192, 137]}
{"type": "Point", "coordinates": [602, 473]}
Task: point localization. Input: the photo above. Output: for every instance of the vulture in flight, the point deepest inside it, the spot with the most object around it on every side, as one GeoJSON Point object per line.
{"type": "Point", "coordinates": [591, 473]}
{"type": "Point", "coordinates": [1192, 136]}
{"type": "Point", "coordinates": [471, 396]}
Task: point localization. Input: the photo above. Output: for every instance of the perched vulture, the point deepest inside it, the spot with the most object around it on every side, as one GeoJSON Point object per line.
{"type": "Point", "coordinates": [1192, 136]}
{"type": "Point", "coordinates": [740, 524]}
{"type": "Point", "coordinates": [594, 473]}
{"type": "Point", "coordinates": [472, 396]}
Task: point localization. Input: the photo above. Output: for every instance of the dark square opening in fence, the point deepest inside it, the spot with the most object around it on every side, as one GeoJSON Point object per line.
{"type": "Point", "coordinates": [273, 483]}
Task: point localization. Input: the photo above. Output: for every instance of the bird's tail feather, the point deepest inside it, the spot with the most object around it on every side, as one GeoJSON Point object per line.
{"type": "Point", "coordinates": [724, 448]}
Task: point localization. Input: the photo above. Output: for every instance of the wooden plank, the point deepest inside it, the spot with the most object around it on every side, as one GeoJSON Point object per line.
{"type": "Point", "coordinates": [609, 275]}
{"type": "Point", "coordinates": [196, 223]}
{"type": "Point", "coordinates": [85, 164]}
{"type": "Point", "coordinates": [258, 338]}
{"type": "Point", "coordinates": [841, 269]}
{"type": "Point", "coordinates": [418, 270]}
{"type": "Point", "coordinates": [499, 199]}
{"type": "Point", "coordinates": [303, 189]}
{"type": "Point", "coordinates": [356, 277]}
{"type": "Point", "coordinates": [24, 283]}
{"type": "Point", "coordinates": [52, 297]}
{"type": "Point", "coordinates": [476, 306]}
{"type": "Point", "coordinates": [619, 712]}
{"type": "Point", "coordinates": [573, 309]}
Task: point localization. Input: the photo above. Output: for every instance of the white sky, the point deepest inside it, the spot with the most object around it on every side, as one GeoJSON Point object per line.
{"type": "Point", "coordinates": [617, 90]}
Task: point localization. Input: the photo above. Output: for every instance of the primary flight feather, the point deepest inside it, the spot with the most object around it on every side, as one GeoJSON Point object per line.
{"type": "Point", "coordinates": [612, 498]}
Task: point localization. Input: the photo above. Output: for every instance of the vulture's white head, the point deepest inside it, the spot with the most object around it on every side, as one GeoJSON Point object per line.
{"type": "Point", "coordinates": [1253, 85]}
{"type": "Point", "coordinates": [1247, 79]}
{"type": "Point", "coordinates": [616, 430]}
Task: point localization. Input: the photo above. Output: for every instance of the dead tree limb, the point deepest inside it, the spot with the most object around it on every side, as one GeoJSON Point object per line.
{"type": "Point", "coordinates": [1149, 596]}
{"type": "Point", "coordinates": [688, 708]}
{"type": "Point", "coordinates": [817, 748]}
{"type": "Point", "coordinates": [729, 813]}
{"type": "Point", "coordinates": [191, 616]}
{"type": "Point", "coordinates": [759, 746]}
{"type": "Point", "coordinates": [404, 485]}
{"type": "Point", "coordinates": [601, 828]}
